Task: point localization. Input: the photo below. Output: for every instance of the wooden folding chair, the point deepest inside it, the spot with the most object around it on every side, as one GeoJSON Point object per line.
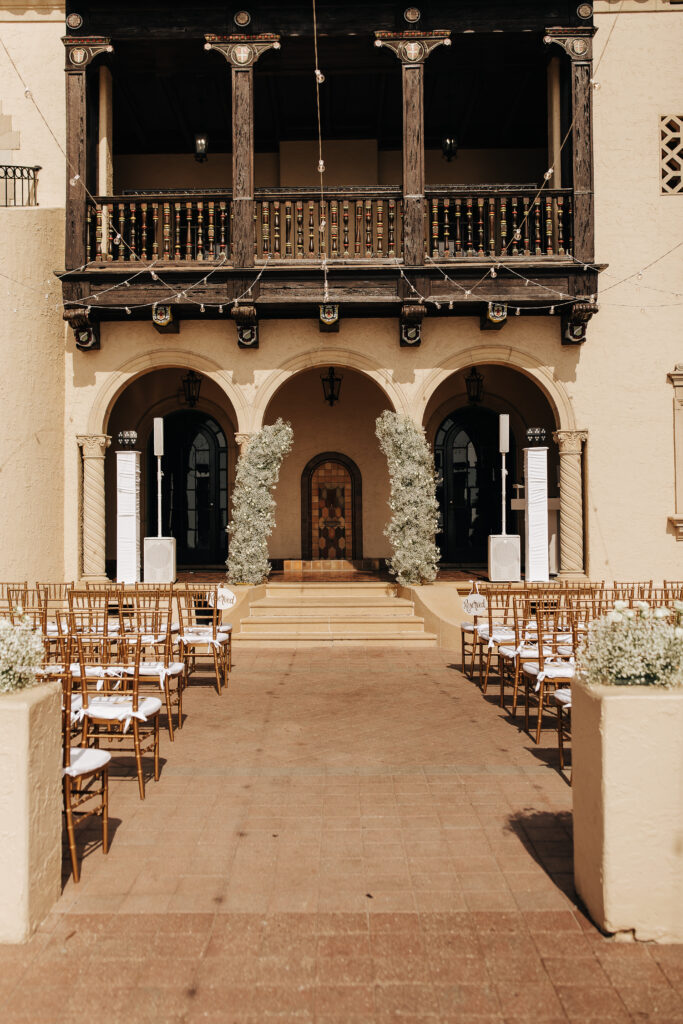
{"type": "Point", "coordinates": [554, 666]}
{"type": "Point", "coordinates": [201, 634]}
{"type": "Point", "coordinates": [147, 615]}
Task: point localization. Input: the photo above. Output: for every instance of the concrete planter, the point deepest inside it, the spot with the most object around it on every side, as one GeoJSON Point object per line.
{"type": "Point", "coordinates": [627, 784]}
{"type": "Point", "coordinates": [30, 808]}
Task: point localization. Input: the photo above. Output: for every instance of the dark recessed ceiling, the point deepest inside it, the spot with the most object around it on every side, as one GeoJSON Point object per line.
{"type": "Point", "coordinates": [484, 90]}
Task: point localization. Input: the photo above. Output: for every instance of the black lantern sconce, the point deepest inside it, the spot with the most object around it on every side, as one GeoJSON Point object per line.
{"type": "Point", "coordinates": [474, 382]}
{"type": "Point", "coordinates": [201, 147]}
{"type": "Point", "coordinates": [331, 386]}
{"type": "Point", "coordinates": [449, 148]}
{"type": "Point", "coordinates": [192, 383]}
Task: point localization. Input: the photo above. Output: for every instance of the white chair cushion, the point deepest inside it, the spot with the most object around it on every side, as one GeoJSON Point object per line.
{"type": "Point", "coordinates": [85, 760]}
{"type": "Point", "coordinates": [551, 670]}
{"type": "Point", "coordinates": [204, 635]}
{"type": "Point", "coordinates": [467, 627]}
{"type": "Point", "coordinates": [563, 697]}
{"type": "Point", "coordinates": [119, 708]}
{"type": "Point", "coordinates": [157, 670]}
{"type": "Point", "coordinates": [524, 652]}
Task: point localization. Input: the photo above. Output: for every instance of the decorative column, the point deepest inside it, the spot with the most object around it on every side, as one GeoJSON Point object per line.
{"type": "Point", "coordinates": [570, 444]}
{"type": "Point", "coordinates": [80, 51]}
{"type": "Point", "coordinates": [578, 45]}
{"type": "Point", "coordinates": [241, 53]}
{"type": "Point", "coordinates": [676, 378]}
{"type": "Point", "coordinates": [94, 447]}
{"type": "Point", "coordinates": [412, 49]}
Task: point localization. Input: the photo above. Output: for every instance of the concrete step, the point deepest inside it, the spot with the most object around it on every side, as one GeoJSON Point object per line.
{"type": "Point", "coordinates": [336, 624]}
{"type": "Point", "coordinates": [330, 606]}
{"type": "Point", "coordinates": [413, 638]}
{"type": "Point", "coordinates": [353, 590]}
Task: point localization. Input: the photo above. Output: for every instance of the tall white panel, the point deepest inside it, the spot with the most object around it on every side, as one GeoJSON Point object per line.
{"type": "Point", "coordinates": [536, 519]}
{"type": "Point", "coordinates": [128, 517]}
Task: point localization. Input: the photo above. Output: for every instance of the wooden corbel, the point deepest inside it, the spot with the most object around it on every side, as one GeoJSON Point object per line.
{"type": "Point", "coordinates": [247, 326]}
{"type": "Point", "coordinates": [410, 325]}
{"type": "Point", "coordinates": [86, 331]}
{"type": "Point", "coordinates": [577, 42]}
{"type": "Point", "coordinates": [242, 51]}
{"type": "Point", "coordinates": [163, 319]}
{"type": "Point", "coordinates": [80, 50]}
{"type": "Point", "coordinates": [412, 46]}
{"type": "Point", "coordinates": [575, 320]}
{"type": "Point", "coordinates": [494, 316]}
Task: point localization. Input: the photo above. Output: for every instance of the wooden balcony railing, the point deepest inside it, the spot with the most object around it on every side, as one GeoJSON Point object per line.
{"type": "Point", "coordinates": [355, 224]}
{"type": "Point", "coordinates": [348, 224]}
{"type": "Point", "coordinates": [186, 227]}
{"type": "Point", "coordinates": [492, 222]}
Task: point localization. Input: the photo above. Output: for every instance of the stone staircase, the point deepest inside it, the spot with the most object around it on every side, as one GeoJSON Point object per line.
{"type": "Point", "coordinates": [354, 614]}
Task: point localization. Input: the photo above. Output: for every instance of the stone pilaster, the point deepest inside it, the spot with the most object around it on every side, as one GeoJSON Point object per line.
{"type": "Point", "coordinates": [676, 378]}
{"type": "Point", "coordinates": [93, 447]}
{"type": "Point", "coordinates": [570, 444]}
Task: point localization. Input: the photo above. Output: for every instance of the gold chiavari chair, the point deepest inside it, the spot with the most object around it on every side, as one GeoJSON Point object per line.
{"type": "Point", "coordinates": [92, 612]}
{"type": "Point", "coordinates": [85, 771]}
{"type": "Point", "coordinates": [55, 591]}
{"type": "Point", "coordinates": [147, 615]}
{"type": "Point", "coordinates": [524, 647]}
{"type": "Point", "coordinates": [674, 589]}
{"type": "Point", "coordinates": [24, 603]}
{"type": "Point", "coordinates": [4, 595]}
{"type": "Point", "coordinates": [113, 709]}
{"type": "Point", "coordinates": [497, 629]}
{"type": "Point", "coordinates": [201, 633]}
{"type": "Point", "coordinates": [562, 699]}
{"type": "Point", "coordinates": [554, 666]}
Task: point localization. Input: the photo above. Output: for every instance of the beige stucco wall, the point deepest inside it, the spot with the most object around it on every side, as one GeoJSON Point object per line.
{"type": "Point", "coordinates": [621, 392]}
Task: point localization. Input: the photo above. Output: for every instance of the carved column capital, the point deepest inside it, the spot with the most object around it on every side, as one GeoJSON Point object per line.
{"type": "Point", "coordinates": [577, 42]}
{"type": "Point", "coordinates": [80, 50]}
{"type": "Point", "coordinates": [676, 377]}
{"type": "Point", "coordinates": [242, 51]}
{"type": "Point", "coordinates": [242, 440]}
{"type": "Point", "coordinates": [570, 442]}
{"type": "Point", "coordinates": [412, 47]}
{"type": "Point", "coordinates": [94, 445]}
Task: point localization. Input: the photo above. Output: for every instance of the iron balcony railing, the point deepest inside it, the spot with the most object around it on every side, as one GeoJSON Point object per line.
{"type": "Point", "coordinates": [18, 185]}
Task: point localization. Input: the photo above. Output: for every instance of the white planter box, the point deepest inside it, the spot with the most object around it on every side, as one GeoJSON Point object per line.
{"type": "Point", "coordinates": [30, 808]}
{"type": "Point", "coordinates": [627, 786]}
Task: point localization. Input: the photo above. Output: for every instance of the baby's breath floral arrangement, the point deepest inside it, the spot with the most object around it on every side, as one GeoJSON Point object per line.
{"type": "Point", "coordinates": [413, 504]}
{"type": "Point", "coordinates": [638, 646]}
{"type": "Point", "coordinates": [21, 653]}
{"type": "Point", "coordinates": [258, 470]}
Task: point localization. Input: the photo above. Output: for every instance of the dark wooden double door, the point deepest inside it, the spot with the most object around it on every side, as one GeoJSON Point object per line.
{"type": "Point", "coordinates": [468, 467]}
{"type": "Point", "coordinates": [194, 488]}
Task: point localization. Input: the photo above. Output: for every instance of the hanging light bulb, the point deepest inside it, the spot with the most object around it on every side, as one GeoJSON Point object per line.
{"type": "Point", "coordinates": [76, 178]}
{"type": "Point", "coordinates": [321, 166]}
{"type": "Point", "coordinates": [28, 94]}
{"type": "Point", "coordinates": [467, 293]}
{"type": "Point", "coordinates": [220, 309]}
{"type": "Point", "coordinates": [128, 310]}
{"type": "Point", "coordinates": [518, 311]}
{"type": "Point", "coordinates": [127, 284]}
{"type": "Point", "coordinates": [202, 308]}
{"type": "Point", "coordinates": [155, 276]}
{"type": "Point", "coordinates": [493, 272]}
{"type": "Point", "coordinates": [549, 173]}
{"type": "Point", "coordinates": [117, 239]}
{"type": "Point", "coordinates": [552, 311]}
{"type": "Point", "coordinates": [319, 76]}
{"type": "Point", "coordinates": [450, 304]}
{"type": "Point", "coordinates": [526, 282]}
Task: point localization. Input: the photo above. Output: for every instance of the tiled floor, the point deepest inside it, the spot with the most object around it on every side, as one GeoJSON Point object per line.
{"type": "Point", "coordinates": [346, 837]}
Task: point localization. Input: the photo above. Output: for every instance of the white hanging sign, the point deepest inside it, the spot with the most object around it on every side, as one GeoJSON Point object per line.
{"type": "Point", "coordinates": [475, 603]}
{"type": "Point", "coordinates": [536, 518]}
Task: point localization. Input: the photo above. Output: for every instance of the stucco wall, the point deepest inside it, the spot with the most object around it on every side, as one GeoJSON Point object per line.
{"type": "Point", "coordinates": [621, 392]}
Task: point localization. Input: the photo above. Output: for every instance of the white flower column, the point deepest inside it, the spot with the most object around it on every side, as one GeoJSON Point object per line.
{"type": "Point", "coordinates": [570, 444]}
{"type": "Point", "coordinates": [94, 447]}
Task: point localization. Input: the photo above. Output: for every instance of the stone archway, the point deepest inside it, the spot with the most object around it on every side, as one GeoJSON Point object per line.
{"type": "Point", "coordinates": [331, 508]}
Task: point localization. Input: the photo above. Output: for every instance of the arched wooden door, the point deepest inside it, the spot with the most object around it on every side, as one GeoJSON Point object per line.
{"type": "Point", "coordinates": [194, 488]}
{"type": "Point", "coordinates": [468, 469]}
{"type": "Point", "coordinates": [331, 508]}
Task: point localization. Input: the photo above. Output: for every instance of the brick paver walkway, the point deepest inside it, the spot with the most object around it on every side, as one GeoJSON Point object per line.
{"type": "Point", "coordinates": [343, 836]}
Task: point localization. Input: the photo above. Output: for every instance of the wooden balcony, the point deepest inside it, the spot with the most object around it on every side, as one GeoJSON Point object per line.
{"type": "Point", "coordinates": [348, 224]}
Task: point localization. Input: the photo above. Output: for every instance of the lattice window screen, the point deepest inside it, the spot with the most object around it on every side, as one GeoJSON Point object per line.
{"type": "Point", "coordinates": [671, 137]}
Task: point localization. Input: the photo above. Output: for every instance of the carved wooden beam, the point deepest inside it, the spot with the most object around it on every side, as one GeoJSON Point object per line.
{"type": "Point", "coordinates": [412, 48]}
{"type": "Point", "coordinates": [577, 43]}
{"type": "Point", "coordinates": [241, 53]}
{"type": "Point", "coordinates": [80, 50]}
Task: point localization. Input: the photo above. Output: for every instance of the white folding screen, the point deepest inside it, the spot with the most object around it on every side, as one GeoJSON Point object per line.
{"type": "Point", "coordinates": [536, 519]}
{"type": "Point", "coordinates": [128, 517]}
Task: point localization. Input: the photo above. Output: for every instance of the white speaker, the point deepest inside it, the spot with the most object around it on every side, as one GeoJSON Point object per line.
{"type": "Point", "coordinates": [160, 560]}
{"type": "Point", "coordinates": [158, 436]}
{"type": "Point", "coordinates": [504, 433]}
{"type": "Point", "coordinates": [504, 558]}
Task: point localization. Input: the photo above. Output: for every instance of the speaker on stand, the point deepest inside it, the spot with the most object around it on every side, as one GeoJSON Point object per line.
{"type": "Point", "coordinates": [504, 548]}
{"type": "Point", "coordinates": [160, 552]}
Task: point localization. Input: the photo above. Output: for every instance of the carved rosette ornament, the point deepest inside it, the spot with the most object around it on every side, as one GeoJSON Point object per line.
{"type": "Point", "coordinates": [80, 50]}
{"type": "Point", "coordinates": [94, 447]}
{"type": "Point", "coordinates": [413, 47]}
{"type": "Point", "coordinates": [570, 444]}
{"type": "Point", "coordinates": [576, 42]}
{"type": "Point", "coordinates": [242, 51]}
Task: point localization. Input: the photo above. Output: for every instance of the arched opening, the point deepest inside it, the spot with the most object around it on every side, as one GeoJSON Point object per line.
{"type": "Point", "coordinates": [468, 464]}
{"type": "Point", "coordinates": [194, 487]}
{"type": "Point", "coordinates": [331, 508]}
{"type": "Point", "coordinates": [199, 462]}
{"type": "Point", "coordinates": [343, 435]}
